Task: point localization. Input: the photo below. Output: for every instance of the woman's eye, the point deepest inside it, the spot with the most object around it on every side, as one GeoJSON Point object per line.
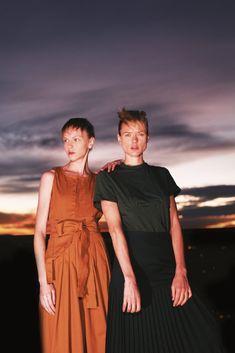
{"type": "Point", "coordinates": [76, 139]}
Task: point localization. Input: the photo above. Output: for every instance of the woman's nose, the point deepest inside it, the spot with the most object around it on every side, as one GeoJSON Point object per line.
{"type": "Point", "coordinates": [134, 138]}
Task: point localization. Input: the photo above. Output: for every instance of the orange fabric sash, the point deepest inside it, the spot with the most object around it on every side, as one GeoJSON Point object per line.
{"type": "Point", "coordinates": [63, 234]}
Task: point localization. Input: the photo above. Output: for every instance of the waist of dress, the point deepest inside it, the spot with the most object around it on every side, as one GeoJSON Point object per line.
{"type": "Point", "coordinates": [150, 247]}
{"type": "Point", "coordinates": [147, 235]}
{"type": "Point", "coordinates": [75, 233]}
{"type": "Point", "coordinates": [66, 227]}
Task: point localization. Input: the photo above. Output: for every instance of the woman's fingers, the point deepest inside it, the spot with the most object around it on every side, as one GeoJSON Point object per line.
{"type": "Point", "coordinates": [115, 163]}
{"type": "Point", "coordinates": [131, 305]}
{"type": "Point", "coordinates": [124, 305]}
{"type": "Point", "coordinates": [172, 293]}
{"type": "Point", "coordinates": [50, 302]}
{"type": "Point", "coordinates": [185, 298]}
{"type": "Point", "coordinates": [48, 298]}
{"type": "Point", "coordinates": [180, 295]}
{"type": "Point", "coordinates": [177, 297]}
{"type": "Point", "coordinates": [131, 297]}
{"type": "Point", "coordinates": [110, 166]}
{"type": "Point", "coordinates": [127, 304]}
{"type": "Point", "coordinates": [138, 304]}
{"type": "Point", "coordinates": [190, 292]}
{"type": "Point", "coordinates": [46, 306]}
{"type": "Point", "coordinates": [180, 290]}
{"type": "Point", "coordinates": [187, 295]}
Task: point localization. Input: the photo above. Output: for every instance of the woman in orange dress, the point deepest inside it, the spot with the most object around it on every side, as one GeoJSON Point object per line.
{"type": "Point", "coordinates": [73, 270]}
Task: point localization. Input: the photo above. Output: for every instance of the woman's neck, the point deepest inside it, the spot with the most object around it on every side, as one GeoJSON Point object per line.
{"type": "Point", "coordinates": [79, 166]}
{"type": "Point", "coordinates": [129, 160]}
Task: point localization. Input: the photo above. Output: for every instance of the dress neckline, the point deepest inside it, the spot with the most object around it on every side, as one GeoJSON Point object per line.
{"type": "Point", "coordinates": [75, 174]}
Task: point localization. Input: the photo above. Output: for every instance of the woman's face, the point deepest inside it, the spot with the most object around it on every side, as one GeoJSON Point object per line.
{"type": "Point", "coordinates": [133, 138]}
{"type": "Point", "coordinates": [77, 143]}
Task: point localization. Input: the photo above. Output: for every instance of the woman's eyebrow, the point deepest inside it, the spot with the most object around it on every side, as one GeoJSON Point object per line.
{"type": "Point", "coordinates": [71, 136]}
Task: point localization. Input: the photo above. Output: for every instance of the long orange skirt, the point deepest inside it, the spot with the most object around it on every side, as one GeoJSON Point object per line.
{"type": "Point", "coordinates": [76, 327]}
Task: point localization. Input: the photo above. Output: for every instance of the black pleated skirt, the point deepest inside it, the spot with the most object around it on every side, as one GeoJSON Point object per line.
{"type": "Point", "coordinates": [158, 327]}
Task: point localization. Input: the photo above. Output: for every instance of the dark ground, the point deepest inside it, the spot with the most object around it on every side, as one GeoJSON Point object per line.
{"type": "Point", "coordinates": [210, 256]}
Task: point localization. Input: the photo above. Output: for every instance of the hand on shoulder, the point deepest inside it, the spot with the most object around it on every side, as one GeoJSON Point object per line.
{"type": "Point", "coordinates": [110, 166]}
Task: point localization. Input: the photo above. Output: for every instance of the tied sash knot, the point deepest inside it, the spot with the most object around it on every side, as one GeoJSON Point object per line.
{"type": "Point", "coordinates": [79, 233]}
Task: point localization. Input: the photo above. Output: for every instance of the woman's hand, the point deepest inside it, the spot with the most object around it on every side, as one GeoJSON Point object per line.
{"type": "Point", "coordinates": [47, 297]}
{"type": "Point", "coordinates": [110, 166]}
{"type": "Point", "coordinates": [180, 289]}
{"type": "Point", "coordinates": [131, 297]}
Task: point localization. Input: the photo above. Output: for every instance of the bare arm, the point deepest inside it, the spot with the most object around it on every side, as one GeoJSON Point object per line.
{"type": "Point", "coordinates": [181, 290]}
{"type": "Point", "coordinates": [47, 293]}
{"type": "Point", "coordinates": [131, 299]}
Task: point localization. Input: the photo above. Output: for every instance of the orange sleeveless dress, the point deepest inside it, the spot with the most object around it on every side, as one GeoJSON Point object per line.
{"type": "Point", "coordinates": [77, 265]}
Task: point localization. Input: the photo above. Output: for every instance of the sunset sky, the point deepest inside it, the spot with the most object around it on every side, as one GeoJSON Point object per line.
{"type": "Point", "coordinates": [175, 60]}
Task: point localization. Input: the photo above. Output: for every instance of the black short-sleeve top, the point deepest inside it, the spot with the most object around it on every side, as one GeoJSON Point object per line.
{"type": "Point", "coordinates": [141, 193]}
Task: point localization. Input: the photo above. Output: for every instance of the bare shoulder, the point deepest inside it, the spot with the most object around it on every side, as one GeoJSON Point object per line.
{"type": "Point", "coordinates": [47, 177]}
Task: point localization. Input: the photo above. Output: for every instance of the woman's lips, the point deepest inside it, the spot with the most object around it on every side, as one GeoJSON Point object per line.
{"type": "Point", "coordinates": [71, 153]}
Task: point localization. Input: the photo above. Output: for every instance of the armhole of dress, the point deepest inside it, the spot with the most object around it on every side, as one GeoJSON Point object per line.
{"type": "Point", "coordinates": [52, 191]}
{"type": "Point", "coordinates": [57, 171]}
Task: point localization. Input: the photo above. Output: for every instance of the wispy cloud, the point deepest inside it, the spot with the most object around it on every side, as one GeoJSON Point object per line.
{"type": "Point", "coordinates": [207, 206]}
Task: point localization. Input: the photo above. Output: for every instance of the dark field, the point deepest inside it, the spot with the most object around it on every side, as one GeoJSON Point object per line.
{"type": "Point", "coordinates": [210, 256]}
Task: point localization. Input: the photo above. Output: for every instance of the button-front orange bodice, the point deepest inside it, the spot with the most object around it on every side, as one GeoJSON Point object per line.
{"type": "Point", "coordinates": [72, 196]}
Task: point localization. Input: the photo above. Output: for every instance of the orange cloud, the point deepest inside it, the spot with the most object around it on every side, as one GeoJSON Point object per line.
{"type": "Point", "coordinates": [224, 222]}
{"type": "Point", "coordinates": [17, 224]}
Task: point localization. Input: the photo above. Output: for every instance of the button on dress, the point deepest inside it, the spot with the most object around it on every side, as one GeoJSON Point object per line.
{"type": "Point", "coordinates": [78, 266]}
{"type": "Point", "coordinates": [142, 194]}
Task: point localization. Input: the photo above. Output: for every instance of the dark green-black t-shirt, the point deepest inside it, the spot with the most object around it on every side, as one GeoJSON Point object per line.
{"type": "Point", "coordinates": [141, 193]}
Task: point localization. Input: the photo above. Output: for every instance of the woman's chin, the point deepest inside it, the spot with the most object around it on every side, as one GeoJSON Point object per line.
{"type": "Point", "coordinates": [135, 154]}
{"type": "Point", "coordinates": [72, 158]}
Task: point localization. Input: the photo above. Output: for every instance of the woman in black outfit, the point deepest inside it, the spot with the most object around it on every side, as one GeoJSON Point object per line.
{"type": "Point", "coordinates": [151, 307]}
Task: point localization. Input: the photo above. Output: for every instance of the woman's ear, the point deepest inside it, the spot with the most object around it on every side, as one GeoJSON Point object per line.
{"type": "Point", "coordinates": [118, 138]}
{"type": "Point", "coordinates": [91, 143]}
